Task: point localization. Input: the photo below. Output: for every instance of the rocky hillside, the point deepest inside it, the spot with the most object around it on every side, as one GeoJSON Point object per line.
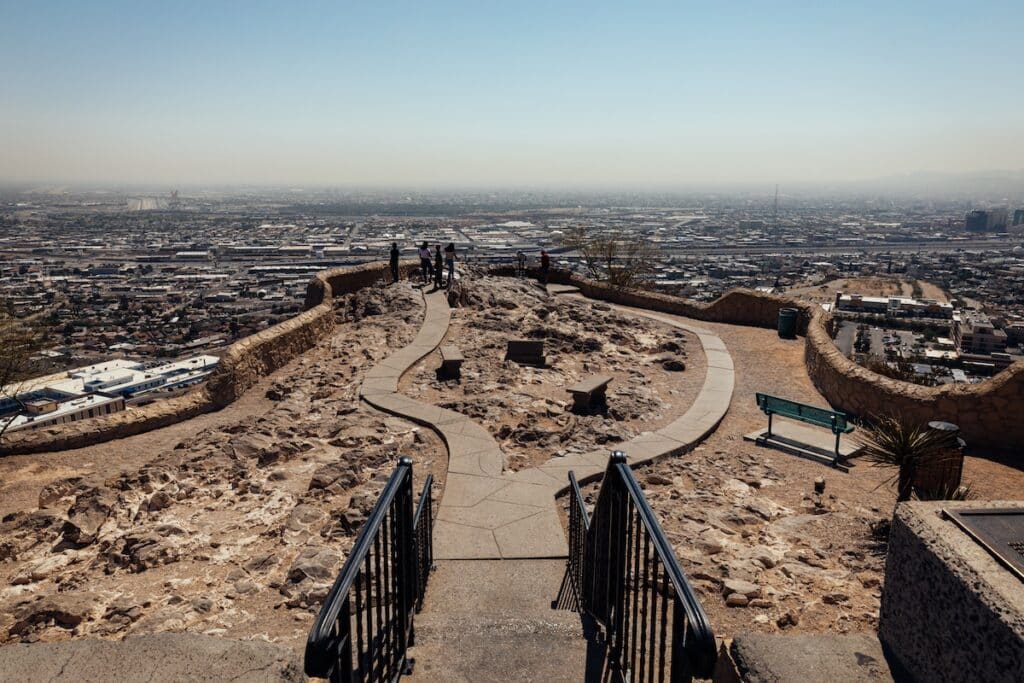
{"type": "Point", "coordinates": [238, 529]}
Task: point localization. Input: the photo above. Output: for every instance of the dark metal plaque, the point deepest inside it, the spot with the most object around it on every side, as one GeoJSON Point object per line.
{"type": "Point", "coordinates": [999, 530]}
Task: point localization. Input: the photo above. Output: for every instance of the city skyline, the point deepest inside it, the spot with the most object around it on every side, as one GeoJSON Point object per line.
{"type": "Point", "coordinates": [460, 95]}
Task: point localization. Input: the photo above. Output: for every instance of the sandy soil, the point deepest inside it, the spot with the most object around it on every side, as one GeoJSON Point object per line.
{"type": "Point", "coordinates": [738, 512]}
{"type": "Point", "coordinates": [867, 286]}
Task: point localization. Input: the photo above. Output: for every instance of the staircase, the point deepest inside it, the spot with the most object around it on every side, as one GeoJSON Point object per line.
{"type": "Point", "coordinates": [493, 620]}
{"type": "Point", "coordinates": [514, 619]}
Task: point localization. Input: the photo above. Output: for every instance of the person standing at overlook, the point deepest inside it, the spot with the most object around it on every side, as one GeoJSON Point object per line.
{"type": "Point", "coordinates": [449, 257]}
{"type": "Point", "coordinates": [438, 267]}
{"type": "Point", "coordinates": [545, 266]}
{"type": "Point", "coordinates": [394, 261]}
{"type": "Point", "coordinates": [425, 267]}
{"type": "Point", "coordinates": [520, 263]}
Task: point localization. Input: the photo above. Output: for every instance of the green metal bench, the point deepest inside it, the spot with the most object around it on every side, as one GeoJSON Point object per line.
{"type": "Point", "coordinates": [838, 422]}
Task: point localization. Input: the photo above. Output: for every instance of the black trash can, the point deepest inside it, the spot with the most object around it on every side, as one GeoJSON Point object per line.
{"type": "Point", "coordinates": [787, 322]}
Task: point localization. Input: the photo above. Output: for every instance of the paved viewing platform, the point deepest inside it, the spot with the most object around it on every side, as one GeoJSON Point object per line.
{"type": "Point", "coordinates": [489, 513]}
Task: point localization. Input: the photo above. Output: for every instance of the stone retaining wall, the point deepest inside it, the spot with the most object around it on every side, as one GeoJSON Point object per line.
{"type": "Point", "coordinates": [737, 306]}
{"type": "Point", "coordinates": [987, 413]}
{"type": "Point", "coordinates": [241, 366]}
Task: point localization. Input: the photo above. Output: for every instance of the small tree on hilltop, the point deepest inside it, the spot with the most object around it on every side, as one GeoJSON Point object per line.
{"type": "Point", "coordinates": [19, 342]}
{"type": "Point", "coordinates": [617, 258]}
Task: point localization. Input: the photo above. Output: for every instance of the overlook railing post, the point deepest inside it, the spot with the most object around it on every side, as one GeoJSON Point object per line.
{"type": "Point", "coordinates": [365, 626]}
{"type": "Point", "coordinates": [633, 586]}
{"type": "Point", "coordinates": [406, 562]}
{"type": "Point", "coordinates": [617, 565]}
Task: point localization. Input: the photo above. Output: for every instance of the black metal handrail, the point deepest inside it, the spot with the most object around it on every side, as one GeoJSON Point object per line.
{"type": "Point", "coordinates": [423, 528]}
{"type": "Point", "coordinates": [579, 523]}
{"type": "Point", "coordinates": [629, 581]}
{"type": "Point", "coordinates": [365, 626]}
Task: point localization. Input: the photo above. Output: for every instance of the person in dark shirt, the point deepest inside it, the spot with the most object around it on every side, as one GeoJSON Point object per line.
{"type": "Point", "coordinates": [394, 261]}
{"type": "Point", "coordinates": [438, 267]}
{"type": "Point", "coordinates": [545, 265]}
{"type": "Point", "coordinates": [449, 257]}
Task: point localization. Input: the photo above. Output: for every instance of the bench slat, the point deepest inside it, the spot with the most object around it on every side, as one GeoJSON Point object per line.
{"type": "Point", "coordinates": [823, 417]}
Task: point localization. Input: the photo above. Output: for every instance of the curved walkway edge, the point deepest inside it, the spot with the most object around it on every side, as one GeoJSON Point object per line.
{"type": "Point", "coordinates": [471, 448]}
{"type": "Point", "coordinates": [677, 437]}
{"type": "Point", "coordinates": [486, 513]}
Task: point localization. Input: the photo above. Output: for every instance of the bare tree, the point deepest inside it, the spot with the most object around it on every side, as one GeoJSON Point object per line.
{"type": "Point", "coordinates": [620, 259]}
{"type": "Point", "coordinates": [20, 341]}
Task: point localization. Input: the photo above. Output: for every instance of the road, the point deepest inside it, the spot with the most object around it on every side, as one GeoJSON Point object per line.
{"type": "Point", "coordinates": [352, 234]}
{"type": "Point", "coordinates": [900, 248]}
{"type": "Point", "coordinates": [846, 336]}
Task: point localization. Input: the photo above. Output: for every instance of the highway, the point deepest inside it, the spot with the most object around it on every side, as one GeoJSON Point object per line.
{"type": "Point", "coordinates": [879, 248]}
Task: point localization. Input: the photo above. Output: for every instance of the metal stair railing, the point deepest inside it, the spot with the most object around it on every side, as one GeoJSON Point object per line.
{"type": "Point", "coordinates": [365, 627]}
{"type": "Point", "coordinates": [626, 577]}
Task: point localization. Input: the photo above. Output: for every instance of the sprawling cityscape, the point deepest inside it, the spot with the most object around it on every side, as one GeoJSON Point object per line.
{"type": "Point", "coordinates": [923, 286]}
{"type": "Point", "coordinates": [464, 342]}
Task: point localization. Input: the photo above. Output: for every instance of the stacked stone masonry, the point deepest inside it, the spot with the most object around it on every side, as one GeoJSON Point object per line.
{"type": "Point", "coordinates": [241, 366]}
{"type": "Point", "coordinates": [988, 413]}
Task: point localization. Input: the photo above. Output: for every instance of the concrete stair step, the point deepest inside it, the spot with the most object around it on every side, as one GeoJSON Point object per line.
{"type": "Point", "coordinates": [509, 649]}
{"type": "Point", "coordinates": [492, 620]}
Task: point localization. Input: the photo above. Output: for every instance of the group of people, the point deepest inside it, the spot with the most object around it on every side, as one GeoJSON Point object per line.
{"type": "Point", "coordinates": [432, 266]}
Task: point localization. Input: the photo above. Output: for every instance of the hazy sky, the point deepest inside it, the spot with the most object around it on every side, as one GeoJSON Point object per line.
{"type": "Point", "coordinates": [507, 93]}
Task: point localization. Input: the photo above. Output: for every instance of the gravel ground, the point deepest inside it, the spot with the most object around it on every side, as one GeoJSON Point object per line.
{"type": "Point", "coordinates": [746, 521]}
{"type": "Point", "coordinates": [657, 371]}
{"type": "Point", "coordinates": [234, 523]}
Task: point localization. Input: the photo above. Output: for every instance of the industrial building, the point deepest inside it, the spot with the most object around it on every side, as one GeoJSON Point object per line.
{"type": "Point", "coordinates": [973, 332]}
{"type": "Point", "coordinates": [893, 306]}
{"type": "Point", "coordinates": [98, 389]}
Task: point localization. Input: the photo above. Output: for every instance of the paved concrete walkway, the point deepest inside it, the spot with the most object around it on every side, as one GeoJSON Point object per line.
{"type": "Point", "coordinates": [486, 513]}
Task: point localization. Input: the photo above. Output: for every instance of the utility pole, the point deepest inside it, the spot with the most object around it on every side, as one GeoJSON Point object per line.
{"type": "Point", "coordinates": [775, 214]}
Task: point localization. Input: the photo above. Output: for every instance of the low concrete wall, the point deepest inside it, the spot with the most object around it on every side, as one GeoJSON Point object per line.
{"type": "Point", "coordinates": [241, 366]}
{"type": "Point", "coordinates": [987, 412]}
{"type": "Point", "coordinates": [950, 611]}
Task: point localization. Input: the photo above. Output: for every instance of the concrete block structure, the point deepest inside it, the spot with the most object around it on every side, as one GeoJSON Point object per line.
{"type": "Point", "coordinates": [950, 610]}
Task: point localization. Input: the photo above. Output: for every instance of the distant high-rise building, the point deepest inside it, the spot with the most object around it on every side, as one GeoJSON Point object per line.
{"type": "Point", "coordinates": [1018, 217]}
{"type": "Point", "coordinates": [996, 220]}
{"type": "Point", "coordinates": [993, 220]}
{"type": "Point", "coordinates": [976, 221]}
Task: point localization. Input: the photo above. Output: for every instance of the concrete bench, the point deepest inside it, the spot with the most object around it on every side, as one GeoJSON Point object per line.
{"type": "Point", "coordinates": [451, 362]}
{"type": "Point", "coordinates": [526, 351]}
{"type": "Point", "coordinates": [589, 394]}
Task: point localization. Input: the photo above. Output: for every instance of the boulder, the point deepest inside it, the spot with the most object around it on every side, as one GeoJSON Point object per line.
{"type": "Point", "coordinates": [87, 514]}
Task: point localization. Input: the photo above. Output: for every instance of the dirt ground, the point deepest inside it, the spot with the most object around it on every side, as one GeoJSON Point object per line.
{"type": "Point", "coordinates": [234, 523]}
{"type": "Point", "coordinates": [657, 371]}
{"type": "Point", "coordinates": [237, 522]}
{"type": "Point", "coordinates": [738, 514]}
{"type": "Point", "coordinates": [876, 285]}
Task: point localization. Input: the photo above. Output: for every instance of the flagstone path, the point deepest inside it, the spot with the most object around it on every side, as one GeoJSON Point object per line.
{"type": "Point", "coordinates": [487, 513]}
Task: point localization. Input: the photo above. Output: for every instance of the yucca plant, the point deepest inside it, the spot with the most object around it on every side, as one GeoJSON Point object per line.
{"type": "Point", "coordinates": [903, 445]}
